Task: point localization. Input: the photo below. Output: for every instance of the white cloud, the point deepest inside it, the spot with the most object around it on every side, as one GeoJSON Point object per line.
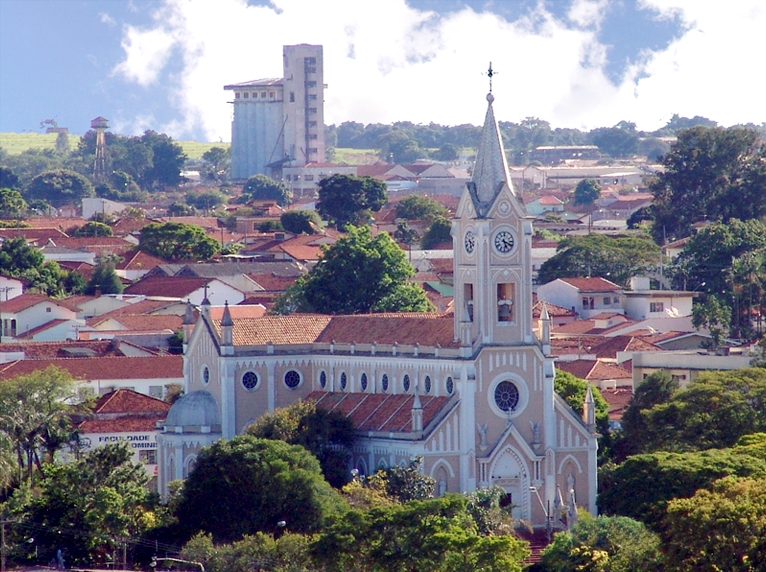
{"type": "Point", "coordinates": [107, 19]}
{"type": "Point", "coordinates": [385, 61]}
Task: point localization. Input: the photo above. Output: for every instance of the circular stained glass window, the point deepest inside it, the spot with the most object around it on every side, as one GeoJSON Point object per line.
{"type": "Point", "coordinates": [205, 375]}
{"type": "Point", "coordinates": [384, 382]}
{"type": "Point", "coordinates": [406, 382]}
{"type": "Point", "coordinates": [506, 396]}
{"type": "Point", "coordinates": [343, 380]}
{"type": "Point", "coordinates": [323, 379]}
{"type": "Point", "coordinates": [364, 382]}
{"type": "Point", "coordinates": [427, 384]}
{"type": "Point", "coordinates": [450, 386]}
{"type": "Point", "coordinates": [292, 379]}
{"type": "Point", "coordinates": [250, 380]}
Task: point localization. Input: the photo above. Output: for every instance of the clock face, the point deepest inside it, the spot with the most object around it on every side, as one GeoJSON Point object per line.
{"type": "Point", "coordinates": [504, 242]}
{"type": "Point", "coordinates": [469, 242]}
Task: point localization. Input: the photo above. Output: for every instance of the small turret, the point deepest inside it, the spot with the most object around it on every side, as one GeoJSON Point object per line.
{"type": "Point", "coordinates": [545, 334]}
{"type": "Point", "coordinates": [188, 323]}
{"type": "Point", "coordinates": [417, 412]}
{"type": "Point", "coordinates": [589, 410]}
{"type": "Point", "coordinates": [227, 331]}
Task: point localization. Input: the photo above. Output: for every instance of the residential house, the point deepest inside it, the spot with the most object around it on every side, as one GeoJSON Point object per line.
{"type": "Point", "coordinates": [192, 288]}
{"type": "Point", "coordinates": [586, 296]}
{"type": "Point", "coordinates": [25, 313]}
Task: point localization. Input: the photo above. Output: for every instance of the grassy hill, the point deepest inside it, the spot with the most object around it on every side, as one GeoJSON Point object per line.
{"type": "Point", "coordinates": [17, 143]}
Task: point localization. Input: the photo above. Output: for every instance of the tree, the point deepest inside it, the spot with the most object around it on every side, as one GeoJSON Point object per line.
{"type": "Point", "coordinates": [728, 262]}
{"type": "Point", "coordinates": [327, 436]}
{"type": "Point", "coordinates": [714, 315]}
{"type": "Point", "coordinates": [357, 275]}
{"type": "Point", "coordinates": [574, 390]}
{"type": "Point", "coordinates": [94, 228]}
{"type": "Point", "coordinates": [418, 207]}
{"type": "Point", "coordinates": [98, 500]}
{"type": "Point", "coordinates": [719, 529]}
{"type": "Point", "coordinates": [104, 280]}
{"type": "Point", "coordinates": [301, 222]}
{"type": "Point", "coordinates": [218, 161]}
{"type": "Point", "coordinates": [447, 152]}
{"type": "Point", "coordinates": [206, 200]}
{"type": "Point", "coordinates": [404, 234]}
{"type": "Point", "coordinates": [35, 417]}
{"type": "Point", "coordinates": [604, 543]}
{"type": "Point", "coordinates": [12, 205]}
{"type": "Point", "coordinates": [19, 259]}
{"type": "Point", "coordinates": [347, 199]}
{"type": "Point", "coordinates": [616, 141]}
{"type": "Point", "coordinates": [714, 411]}
{"type": "Point", "coordinates": [168, 160]}
{"type": "Point", "coordinates": [59, 187]}
{"type": "Point", "coordinates": [399, 145]}
{"type": "Point", "coordinates": [428, 536]}
{"type": "Point", "coordinates": [618, 259]}
{"type": "Point", "coordinates": [438, 233]}
{"type": "Point", "coordinates": [656, 389]}
{"type": "Point", "coordinates": [177, 241]}
{"type": "Point", "coordinates": [275, 553]}
{"type": "Point", "coordinates": [8, 179]}
{"type": "Point", "coordinates": [587, 192]}
{"type": "Point", "coordinates": [263, 188]}
{"type": "Point", "coordinates": [180, 209]}
{"type": "Point", "coordinates": [253, 484]}
{"type": "Point", "coordinates": [642, 486]}
{"type": "Point", "coordinates": [711, 174]}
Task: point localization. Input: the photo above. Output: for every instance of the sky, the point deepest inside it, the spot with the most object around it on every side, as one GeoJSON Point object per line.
{"type": "Point", "coordinates": [162, 64]}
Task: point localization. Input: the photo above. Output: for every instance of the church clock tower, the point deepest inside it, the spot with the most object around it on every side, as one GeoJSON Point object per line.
{"type": "Point", "coordinates": [492, 237]}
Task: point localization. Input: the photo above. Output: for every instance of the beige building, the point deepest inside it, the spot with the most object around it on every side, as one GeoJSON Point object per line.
{"type": "Point", "coordinates": [470, 391]}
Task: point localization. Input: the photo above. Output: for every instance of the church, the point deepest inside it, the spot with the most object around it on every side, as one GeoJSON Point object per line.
{"type": "Point", "coordinates": [471, 392]}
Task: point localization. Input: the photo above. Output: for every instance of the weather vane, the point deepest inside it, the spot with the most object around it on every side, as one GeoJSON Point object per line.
{"type": "Point", "coordinates": [490, 74]}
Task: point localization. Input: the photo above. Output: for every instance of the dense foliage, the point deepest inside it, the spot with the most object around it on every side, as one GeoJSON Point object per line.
{"type": "Point", "coordinates": [327, 436]}
{"type": "Point", "coordinates": [177, 241]}
{"type": "Point", "coordinates": [347, 199]}
{"type": "Point", "coordinates": [418, 207]}
{"type": "Point", "coordinates": [710, 174]}
{"type": "Point", "coordinates": [59, 187]}
{"type": "Point", "coordinates": [263, 188]}
{"type": "Point", "coordinates": [358, 274]}
{"type": "Point", "coordinates": [300, 222]}
{"type": "Point", "coordinates": [616, 259]}
{"type": "Point", "coordinates": [254, 484]}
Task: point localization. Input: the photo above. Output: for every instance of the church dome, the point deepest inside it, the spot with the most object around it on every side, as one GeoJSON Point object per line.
{"type": "Point", "coordinates": [195, 409]}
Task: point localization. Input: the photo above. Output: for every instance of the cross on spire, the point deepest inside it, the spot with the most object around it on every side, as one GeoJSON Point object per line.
{"type": "Point", "coordinates": [490, 74]}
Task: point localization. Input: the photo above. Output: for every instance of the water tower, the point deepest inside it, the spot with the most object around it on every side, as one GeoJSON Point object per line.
{"type": "Point", "coordinates": [99, 124]}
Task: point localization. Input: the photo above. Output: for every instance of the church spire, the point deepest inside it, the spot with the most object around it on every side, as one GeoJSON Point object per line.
{"type": "Point", "coordinates": [490, 171]}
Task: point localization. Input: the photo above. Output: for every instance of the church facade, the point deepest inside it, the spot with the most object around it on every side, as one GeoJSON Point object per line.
{"type": "Point", "coordinates": [471, 392]}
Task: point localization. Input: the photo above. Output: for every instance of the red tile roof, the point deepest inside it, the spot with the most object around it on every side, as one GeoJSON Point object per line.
{"type": "Point", "coordinates": [143, 322]}
{"type": "Point", "coordinates": [379, 411]}
{"type": "Point", "coordinates": [120, 425]}
{"type": "Point", "coordinates": [553, 310]}
{"type": "Point", "coordinates": [129, 401]}
{"type": "Point", "coordinates": [25, 301]}
{"type": "Point", "coordinates": [48, 350]}
{"type": "Point", "coordinates": [618, 400]}
{"type": "Point", "coordinates": [29, 334]}
{"type": "Point", "coordinates": [592, 284]}
{"type": "Point", "coordinates": [609, 347]}
{"type": "Point", "coordinates": [167, 286]}
{"type": "Point", "coordinates": [272, 283]}
{"type": "Point", "coordinates": [594, 370]}
{"type": "Point", "coordinates": [103, 368]}
{"type": "Point", "coordinates": [426, 329]}
{"type": "Point", "coordinates": [137, 308]}
{"type": "Point", "coordinates": [139, 260]}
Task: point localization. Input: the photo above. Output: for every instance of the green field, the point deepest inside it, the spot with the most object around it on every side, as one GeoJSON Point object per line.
{"type": "Point", "coordinates": [16, 143]}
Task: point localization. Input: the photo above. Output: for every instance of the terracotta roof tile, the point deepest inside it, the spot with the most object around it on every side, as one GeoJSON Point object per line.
{"type": "Point", "coordinates": [553, 310]}
{"type": "Point", "coordinates": [48, 350]}
{"type": "Point", "coordinates": [594, 370]}
{"type": "Point", "coordinates": [379, 411]}
{"type": "Point", "coordinates": [129, 401]}
{"type": "Point", "coordinates": [592, 284]}
{"type": "Point", "coordinates": [292, 329]}
{"type": "Point", "coordinates": [20, 303]}
{"type": "Point", "coordinates": [618, 400]}
{"type": "Point", "coordinates": [273, 283]}
{"type": "Point", "coordinates": [143, 322]}
{"type": "Point", "coordinates": [426, 329]}
{"type": "Point", "coordinates": [102, 368]}
{"type": "Point", "coordinates": [610, 347]}
{"type": "Point", "coordinates": [29, 334]}
{"type": "Point", "coordinates": [139, 260]}
{"type": "Point", "coordinates": [167, 286]}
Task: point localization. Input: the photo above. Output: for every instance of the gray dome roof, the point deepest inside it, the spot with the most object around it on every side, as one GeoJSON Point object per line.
{"type": "Point", "coordinates": [197, 408]}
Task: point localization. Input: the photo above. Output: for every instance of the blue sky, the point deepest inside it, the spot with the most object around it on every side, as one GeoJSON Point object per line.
{"type": "Point", "coordinates": [161, 64]}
